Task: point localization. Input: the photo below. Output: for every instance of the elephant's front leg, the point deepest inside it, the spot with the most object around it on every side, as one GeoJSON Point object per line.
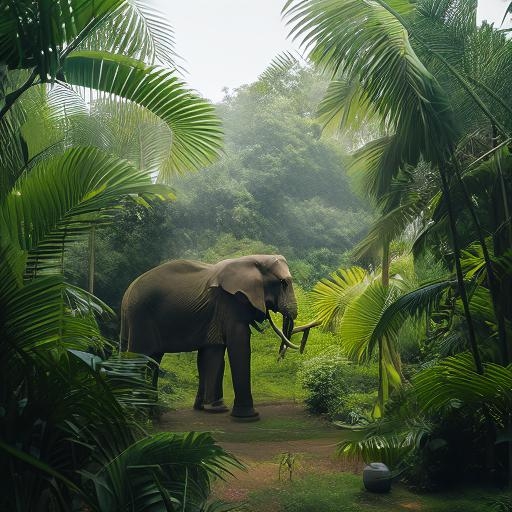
{"type": "Point", "coordinates": [239, 352]}
{"type": "Point", "coordinates": [210, 367]}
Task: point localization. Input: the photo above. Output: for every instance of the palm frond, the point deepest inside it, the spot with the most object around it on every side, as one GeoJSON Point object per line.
{"type": "Point", "coordinates": [390, 226]}
{"type": "Point", "coordinates": [455, 380]}
{"type": "Point", "coordinates": [507, 11]}
{"type": "Point", "coordinates": [374, 166]}
{"type": "Point", "coordinates": [30, 37]}
{"type": "Point", "coordinates": [504, 263]}
{"type": "Point", "coordinates": [362, 316]}
{"type": "Point", "coordinates": [35, 320]}
{"type": "Point", "coordinates": [472, 261]}
{"type": "Point", "coordinates": [139, 30]}
{"type": "Point", "coordinates": [391, 439]}
{"type": "Point", "coordinates": [196, 132]}
{"type": "Point", "coordinates": [279, 65]}
{"type": "Point", "coordinates": [82, 303]}
{"type": "Point", "coordinates": [344, 107]}
{"type": "Point", "coordinates": [330, 296]}
{"type": "Point", "coordinates": [130, 378]}
{"type": "Point", "coordinates": [14, 152]}
{"type": "Point", "coordinates": [135, 134]}
{"type": "Point", "coordinates": [165, 466]}
{"type": "Point", "coordinates": [391, 448]}
{"type": "Point", "coordinates": [424, 299]}
{"type": "Point", "coordinates": [364, 41]}
{"type": "Point", "coordinates": [54, 203]}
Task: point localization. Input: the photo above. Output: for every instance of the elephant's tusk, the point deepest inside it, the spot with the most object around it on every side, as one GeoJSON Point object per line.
{"type": "Point", "coordinates": [305, 327]}
{"type": "Point", "coordinates": [284, 340]}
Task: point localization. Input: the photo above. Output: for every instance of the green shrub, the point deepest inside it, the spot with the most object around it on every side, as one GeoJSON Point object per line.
{"type": "Point", "coordinates": [355, 407]}
{"type": "Point", "coordinates": [337, 387]}
{"type": "Point", "coordinates": [322, 378]}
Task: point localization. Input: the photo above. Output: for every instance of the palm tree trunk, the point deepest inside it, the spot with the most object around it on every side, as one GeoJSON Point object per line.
{"type": "Point", "coordinates": [494, 287]}
{"type": "Point", "coordinates": [387, 342]}
{"type": "Point", "coordinates": [92, 259]}
{"type": "Point", "coordinates": [460, 277]}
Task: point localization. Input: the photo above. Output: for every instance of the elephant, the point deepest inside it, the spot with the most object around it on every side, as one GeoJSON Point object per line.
{"type": "Point", "coordinates": [185, 306]}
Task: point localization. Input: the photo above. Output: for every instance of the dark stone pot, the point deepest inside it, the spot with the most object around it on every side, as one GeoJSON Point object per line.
{"type": "Point", "coordinates": [377, 477]}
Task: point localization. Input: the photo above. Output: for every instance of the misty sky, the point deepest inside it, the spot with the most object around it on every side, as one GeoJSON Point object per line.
{"type": "Point", "coordinates": [228, 43]}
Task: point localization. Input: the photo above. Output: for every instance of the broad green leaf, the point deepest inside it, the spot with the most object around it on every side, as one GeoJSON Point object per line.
{"type": "Point", "coordinates": [362, 316]}
{"type": "Point", "coordinates": [455, 378]}
{"type": "Point", "coordinates": [60, 198]}
{"type": "Point", "coordinates": [196, 132]}
{"type": "Point", "coordinates": [331, 296]}
{"type": "Point", "coordinates": [31, 37]}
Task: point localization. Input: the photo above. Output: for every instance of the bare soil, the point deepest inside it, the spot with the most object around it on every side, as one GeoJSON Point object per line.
{"type": "Point", "coordinates": [286, 443]}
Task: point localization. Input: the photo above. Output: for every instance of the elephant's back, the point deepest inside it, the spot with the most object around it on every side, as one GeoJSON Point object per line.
{"type": "Point", "coordinates": [179, 285]}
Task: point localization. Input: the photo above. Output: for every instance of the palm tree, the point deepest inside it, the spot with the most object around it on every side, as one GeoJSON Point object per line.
{"type": "Point", "coordinates": [72, 423]}
{"type": "Point", "coordinates": [375, 50]}
{"type": "Point", "coordinates": [440, 87]}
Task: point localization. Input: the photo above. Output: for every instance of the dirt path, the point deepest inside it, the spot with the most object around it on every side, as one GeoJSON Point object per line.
{"type": "Point", "coordinates": [284, 431]}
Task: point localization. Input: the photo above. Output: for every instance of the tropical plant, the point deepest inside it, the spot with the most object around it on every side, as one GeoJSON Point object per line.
{"type": "Point", "coordinates": [436, 83]}
{"type": "Point", "coordinates": [351, 301]}
{"type": "Point", "coordinates": [72, 427]}
{"type": "Point", "coordinates": [407, 96]}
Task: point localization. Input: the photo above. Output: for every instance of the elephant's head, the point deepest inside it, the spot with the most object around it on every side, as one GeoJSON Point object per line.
{"type": "Point", "coordinates": [265, 281]}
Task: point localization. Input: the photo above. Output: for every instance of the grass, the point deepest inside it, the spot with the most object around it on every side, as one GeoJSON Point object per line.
{"type": "Point", "coordinates": [337, 492]}
{"type": "Point", "coordinates": [272, 380]}
{"type": "Point", "coordinates": [343, 492]}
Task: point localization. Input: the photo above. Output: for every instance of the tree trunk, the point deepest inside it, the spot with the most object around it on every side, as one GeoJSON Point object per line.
{"type": "Point", "coordinates": [92, 259]}
{"type": "Point", "coordinates": [460, 277]}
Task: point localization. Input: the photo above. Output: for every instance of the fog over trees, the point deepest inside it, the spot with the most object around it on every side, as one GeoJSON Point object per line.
{"type": "Point", "coordinates": [278, 188]}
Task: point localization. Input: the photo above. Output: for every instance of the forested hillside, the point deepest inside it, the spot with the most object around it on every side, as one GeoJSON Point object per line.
{"type": "Point", "coordinates": [280, 187]}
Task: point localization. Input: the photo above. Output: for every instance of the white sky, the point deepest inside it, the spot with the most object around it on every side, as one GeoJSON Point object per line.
{"type": "Point", "coordinates": [228, 43]}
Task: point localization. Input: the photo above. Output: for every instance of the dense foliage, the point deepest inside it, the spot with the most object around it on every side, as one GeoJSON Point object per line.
{"type": "Point", "coordinates": [73, 421]}
{"type": "Point", "coordinates": [279, 188]}
{"type": "Point", "coordinates": [440, 176]}
{"type": "Point", "coordinates": [424, 96]}
{"type": "Point", "coordinates": [336, 387]}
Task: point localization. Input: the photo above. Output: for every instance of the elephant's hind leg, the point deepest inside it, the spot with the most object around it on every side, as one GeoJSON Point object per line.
{"type": "Point", "coordinates": [210, 366]}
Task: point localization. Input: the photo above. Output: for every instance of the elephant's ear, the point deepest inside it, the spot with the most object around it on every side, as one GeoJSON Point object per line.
{"type": "Point", "coordinates": [242, 275]}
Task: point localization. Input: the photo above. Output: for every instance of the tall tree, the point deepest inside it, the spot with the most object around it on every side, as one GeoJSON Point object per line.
{"type": "Point", "coordinates": [70, 426]}
{"type": "Point", "coordinates": [392, 82]}
{"type": "Point", "coordinates": [441, 87]}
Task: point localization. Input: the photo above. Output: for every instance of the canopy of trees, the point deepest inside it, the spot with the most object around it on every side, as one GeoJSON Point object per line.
{"type": "Point", "coordinates": [279, 188]}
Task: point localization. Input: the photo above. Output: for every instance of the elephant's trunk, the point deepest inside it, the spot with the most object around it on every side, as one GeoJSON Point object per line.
{"type": "Point", "coordinates": [287, 326]}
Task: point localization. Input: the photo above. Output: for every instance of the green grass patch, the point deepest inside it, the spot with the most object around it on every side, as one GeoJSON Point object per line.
{"type": "Point", "coordinates": [272, 380]}
{"type": "Point", "coordinates": [344, 492]}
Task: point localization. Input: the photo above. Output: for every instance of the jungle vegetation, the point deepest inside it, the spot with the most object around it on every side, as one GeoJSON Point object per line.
{"type": "Point", "coordinates": [439, 174]}
{"type": "Point", "coordinates": [73, 422]}
{"type": "Point", "coordinates": [380, 167]}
